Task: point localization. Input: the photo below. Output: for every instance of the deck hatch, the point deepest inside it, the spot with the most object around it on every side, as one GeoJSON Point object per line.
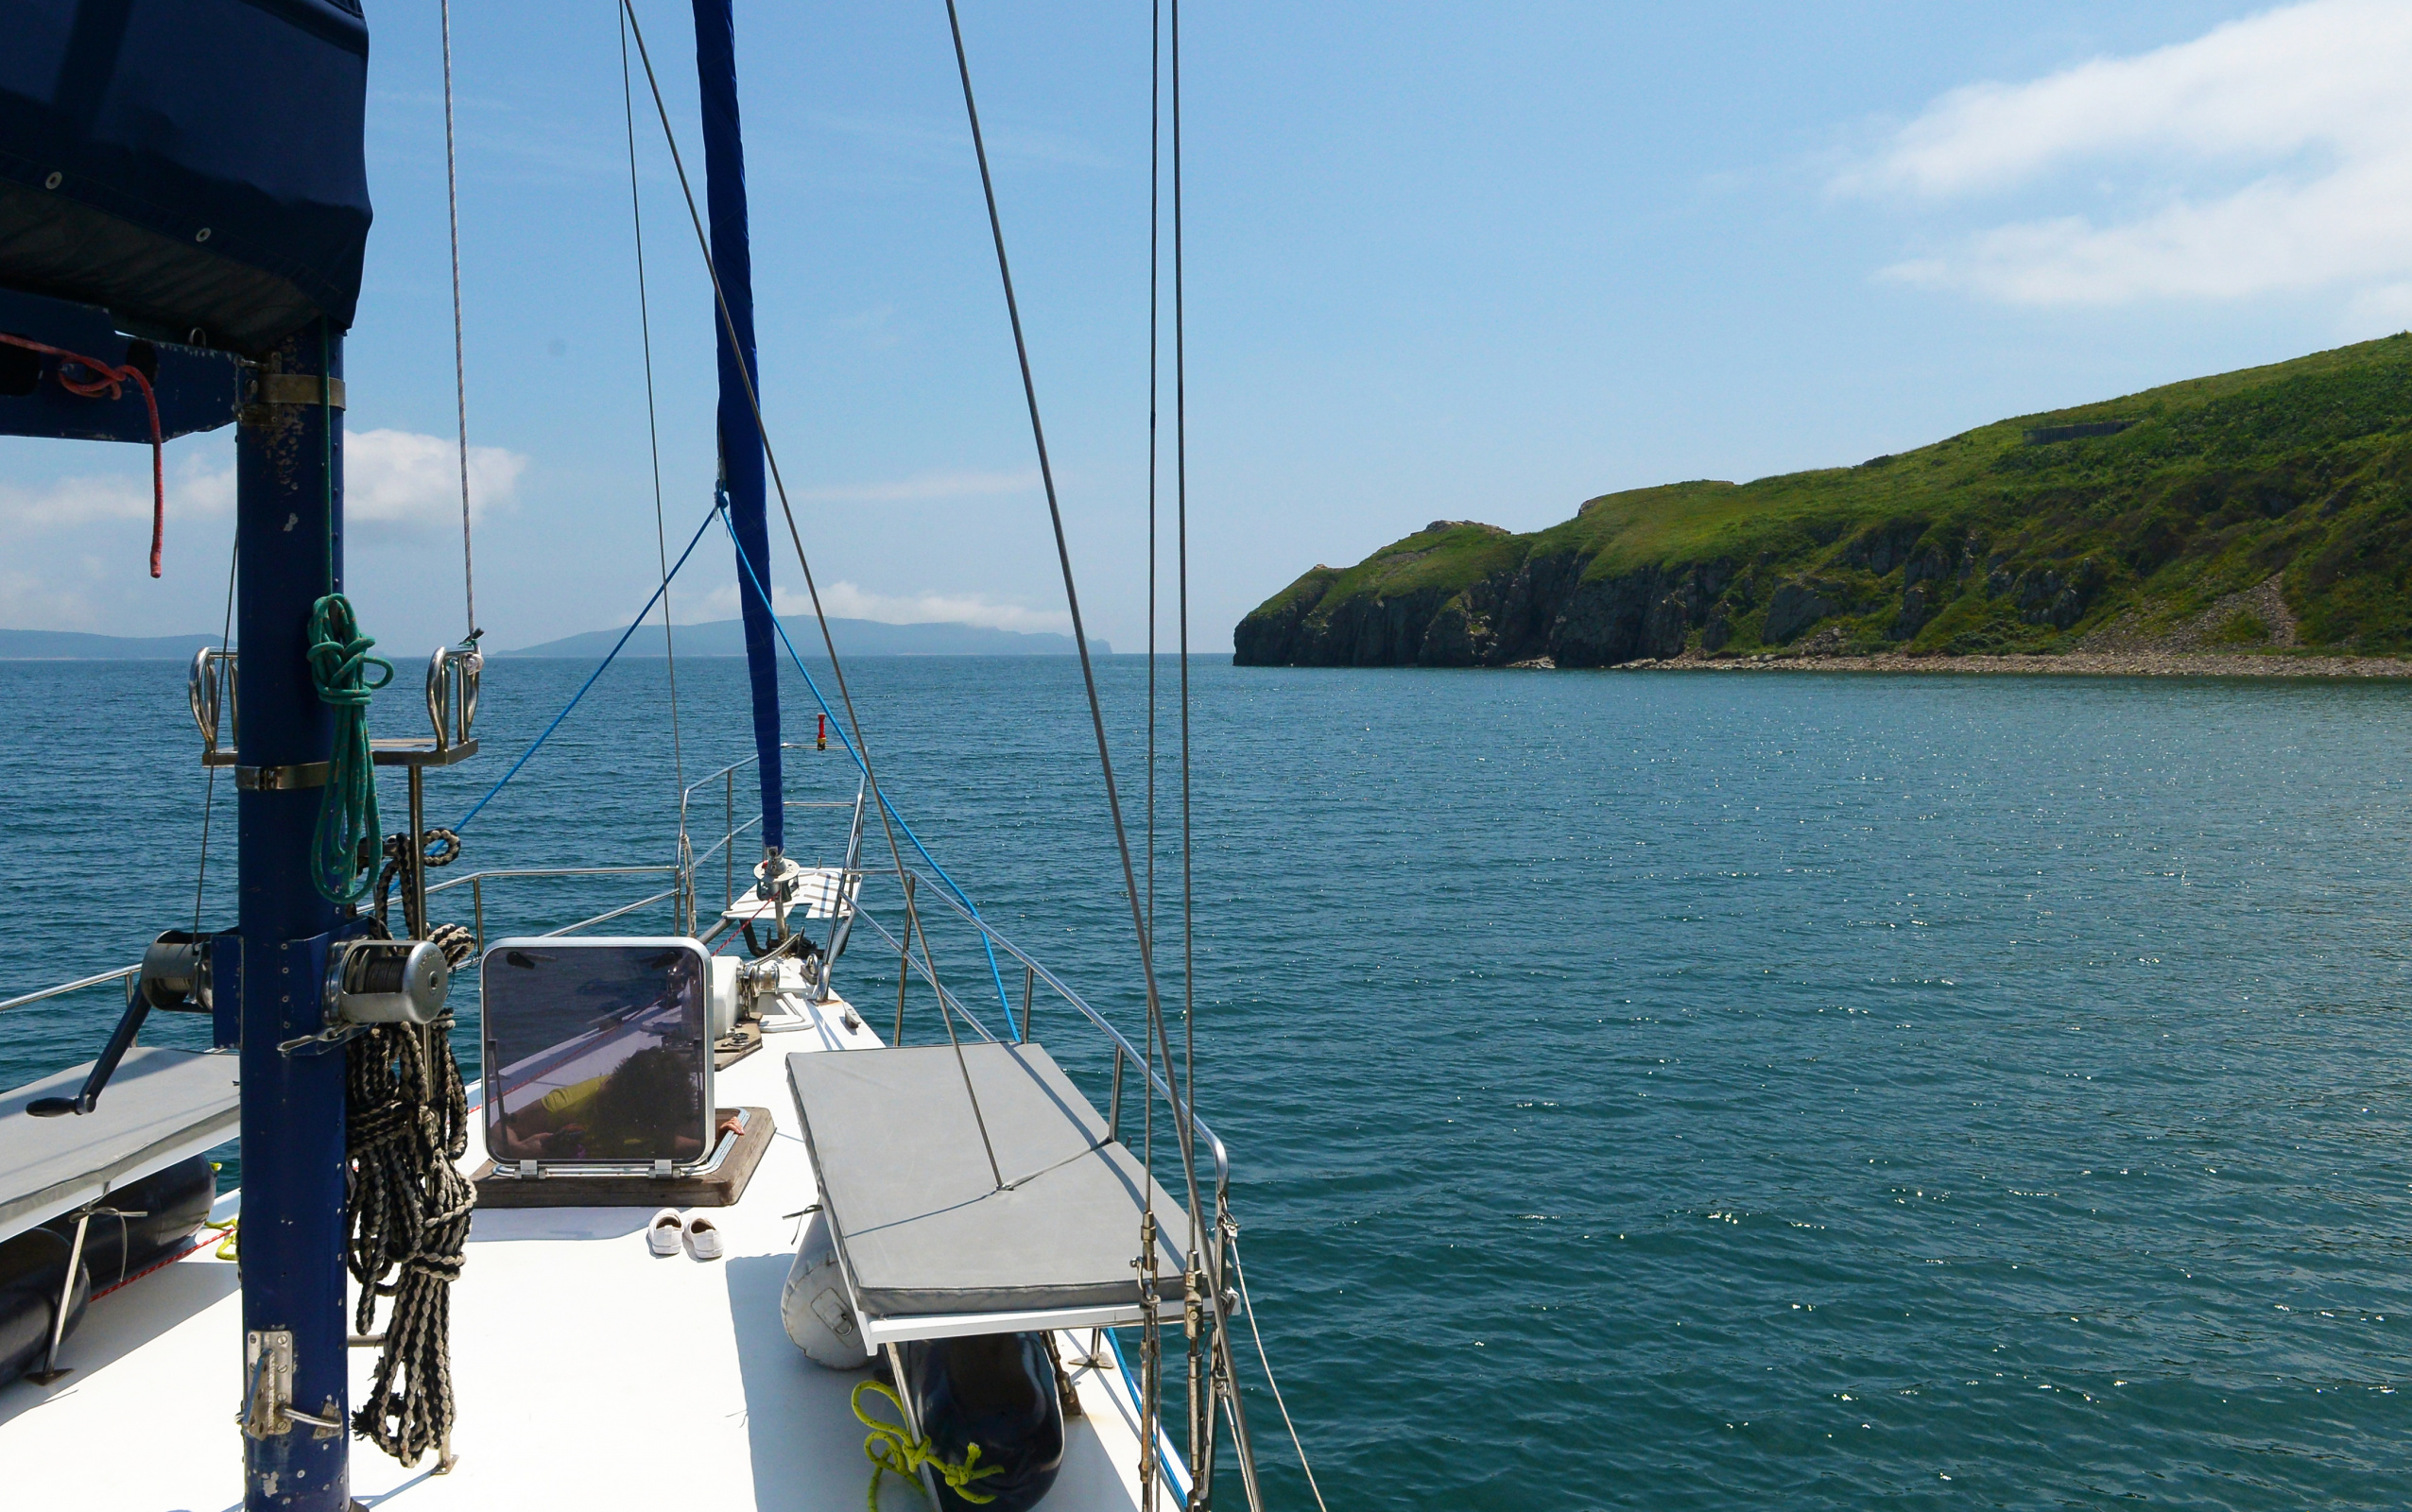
{"type": "Point", "coordinates": [596, 1051]}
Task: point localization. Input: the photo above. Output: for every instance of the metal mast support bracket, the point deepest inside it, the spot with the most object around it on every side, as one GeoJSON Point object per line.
{"type": "Point", "coordinates": [268, 1410]}
{"type": "Point", "coordinates": [294, 388]}
{"type": "Point", "coordinates": [214, 691]}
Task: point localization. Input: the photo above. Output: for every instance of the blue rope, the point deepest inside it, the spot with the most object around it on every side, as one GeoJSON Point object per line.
{"type": "Point", "coordinates": [995, 970]}
{"type": "Point", "coordinates": [590, 681]}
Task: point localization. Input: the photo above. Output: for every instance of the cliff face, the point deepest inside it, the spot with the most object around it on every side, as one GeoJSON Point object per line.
{"type": "Point", "coordinates": [2125, 519]}
{"type": "Point", "coordinates": [1540, 607]}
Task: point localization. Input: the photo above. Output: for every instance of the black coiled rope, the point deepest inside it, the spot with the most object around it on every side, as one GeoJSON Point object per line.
{"type": "Point", "coordinates": [438, 847]}
{"type": "Point", "coordinates": [408, 1211]}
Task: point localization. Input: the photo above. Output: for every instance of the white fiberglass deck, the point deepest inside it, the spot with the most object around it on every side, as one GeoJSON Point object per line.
{"type": "Point", "coordinates": [589, 1373]}
{"type": "Point", "coordinates": [820, 892]}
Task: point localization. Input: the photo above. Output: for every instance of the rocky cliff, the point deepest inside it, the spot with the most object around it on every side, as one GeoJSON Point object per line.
{"type": "Point", "coordinates": [2132, 518]}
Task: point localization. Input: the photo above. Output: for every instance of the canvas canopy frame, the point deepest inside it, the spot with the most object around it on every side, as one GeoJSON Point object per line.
{"type": "Point", "coordinates": [931, 1245]}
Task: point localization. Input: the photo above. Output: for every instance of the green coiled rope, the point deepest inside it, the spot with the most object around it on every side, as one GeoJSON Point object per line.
{"type": "Point", "coordinates": [891, 1447]}
{"type": "Point", "coordinates": [339, 661]}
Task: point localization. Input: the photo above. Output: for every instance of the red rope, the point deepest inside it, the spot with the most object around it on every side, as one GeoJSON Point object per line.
{"type": "Point", "coordinates": [161, 1264]}
{"type": "Point", "coordinates": [112, 381]}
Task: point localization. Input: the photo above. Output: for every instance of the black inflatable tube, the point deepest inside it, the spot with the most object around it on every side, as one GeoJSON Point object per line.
{"type": "Point", "coordinates": [173, 1203]}
{"type": "Point", "coordinates": [32, 1266]}
{"type": "Point", "coordinates": [998, 1391]}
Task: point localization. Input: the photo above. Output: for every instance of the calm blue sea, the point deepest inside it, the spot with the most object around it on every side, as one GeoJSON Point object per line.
{"type": "Point", "coordinates": [1651, 1090]}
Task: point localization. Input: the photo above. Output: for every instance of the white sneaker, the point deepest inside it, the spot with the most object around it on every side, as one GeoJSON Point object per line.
{"type": "Point", "coordinates": [703, 1237]}
{"type": "Point", "coordinates": [664, 1236]}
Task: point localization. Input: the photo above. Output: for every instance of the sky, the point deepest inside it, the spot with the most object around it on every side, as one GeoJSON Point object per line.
{"type": "Point", "coordinates": [1442, 261]}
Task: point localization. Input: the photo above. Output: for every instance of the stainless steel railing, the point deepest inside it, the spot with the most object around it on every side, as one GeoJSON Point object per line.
{"type": "Point", "coordinates": [476, 881]}
{"type": "Point", "coordinates": [77, 985]}
{"type": "Point", "coordinates": [726, 777]}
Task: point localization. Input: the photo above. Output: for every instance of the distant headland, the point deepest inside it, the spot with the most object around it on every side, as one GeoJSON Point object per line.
{"type": "Point", "coordinates": [78, 646]}
{"type": "Point", "coordinates": [853, 638]}
{"type": "Point", "coordinates": [708, 638]}
{"type": "Point", "coordinates": [2254, 522]}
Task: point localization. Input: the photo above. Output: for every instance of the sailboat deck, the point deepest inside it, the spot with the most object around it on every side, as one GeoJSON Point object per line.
{"type": "Point", "coordinates": [588, 1371]}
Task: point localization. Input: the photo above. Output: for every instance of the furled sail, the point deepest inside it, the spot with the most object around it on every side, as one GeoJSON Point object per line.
{"type": "Point", "coordinates": [741, 452]}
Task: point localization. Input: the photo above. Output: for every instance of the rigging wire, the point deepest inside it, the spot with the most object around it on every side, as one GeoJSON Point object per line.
{"type": "Point", "coordinates": [652, 419]}
{"type": "Point", "coordinates": [461, 346]}
{"type": "Point", "coordinates": [1181, 1090]}
{"type": "Point", "coordinates": [1072, 598]}
{"type": "Point", "coordinates": [1200, 1386]}
{"type": "Point", "coordinates": [753, 401]}
{"type": "Point", "coordinates": [1241, 1272]}
{"type": "Point", "coordinates": [912, 926]}
{"type": "Point", "coordinates": [1181, 538]}
{"type": "Point", "coordinates": [858, 745]}
{"type": "Point", "coordinates": [1180, 1094]}
{"type": "Point", "coordinates": [1151, 1344]}
{"type": "Point", "coordinates": [1155, 260]}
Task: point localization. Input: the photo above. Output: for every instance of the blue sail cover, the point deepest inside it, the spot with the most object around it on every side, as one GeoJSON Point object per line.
{"type": "Point", "coordinates": [194, 166]}
{"type": "Point", "coordinates": [741, 453]}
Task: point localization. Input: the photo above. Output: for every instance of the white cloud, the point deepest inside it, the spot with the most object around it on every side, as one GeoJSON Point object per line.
{"type": "Point", "coordinates": [46, 601]}
{"type": "Point", "coordinates": [407, 481]}
{"type": "Point", "coordinates": [197, 485]}
{"type": "Point", "coordinates": [845, 600]}
{"type": "Point", "coordinates": [842, 598]}
{"type": "Point", "coordinates": [924, 487]}
{"type": "Point", "coordinates": [393, 481]}
{"type": "Point", "coordinates": [200, 486]}
{"type": "Point", "coordinates": [2284, 141]}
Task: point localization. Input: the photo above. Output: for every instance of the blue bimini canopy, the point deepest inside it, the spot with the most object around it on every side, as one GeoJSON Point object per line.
{"type": "Point", "coordinates": [194, 166]}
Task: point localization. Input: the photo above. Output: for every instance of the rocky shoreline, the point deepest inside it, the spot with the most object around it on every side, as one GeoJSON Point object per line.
{"type": "Point", "coordinates": [2122, 663]}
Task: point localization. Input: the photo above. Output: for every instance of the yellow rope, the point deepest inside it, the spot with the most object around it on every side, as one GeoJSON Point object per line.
{"type": "Point", "coordinates": [225, 1246]}
{"type": "Point", "coordinates": [891, 1447]}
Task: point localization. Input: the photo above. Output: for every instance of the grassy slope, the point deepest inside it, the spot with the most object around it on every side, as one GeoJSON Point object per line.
{"type": "Point", "coordinates": [2303, 468]}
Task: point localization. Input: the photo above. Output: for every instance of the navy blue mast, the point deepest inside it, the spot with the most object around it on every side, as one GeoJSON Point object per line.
{"type": "Point", "coordinates": [288, 526]}
{"type": "Point", "coordinates": [741, 461]}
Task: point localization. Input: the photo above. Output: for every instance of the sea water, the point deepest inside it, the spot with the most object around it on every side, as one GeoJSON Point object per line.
{"type": "Point", "coordinates": [1644, 1090]}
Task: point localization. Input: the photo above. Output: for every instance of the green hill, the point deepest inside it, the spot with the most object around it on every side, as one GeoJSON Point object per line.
{"type": "Point", "coordinates": [2152, 519]}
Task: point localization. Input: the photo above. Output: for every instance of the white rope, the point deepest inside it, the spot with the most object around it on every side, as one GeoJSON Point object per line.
{"type": "Point", "coordinates": [1241, 1272]}
{"type": "Point", "coordinates": [460, 349]}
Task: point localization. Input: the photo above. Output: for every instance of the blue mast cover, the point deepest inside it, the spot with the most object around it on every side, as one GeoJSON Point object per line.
{"type": "Point", "coordinates": [190, 165]}
{"type": "Point", "coordinates": [741, 465]}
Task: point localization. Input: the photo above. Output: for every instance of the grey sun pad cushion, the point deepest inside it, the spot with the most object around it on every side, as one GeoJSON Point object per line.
{"type": "Point", "coordinates": [909, 1196]}
{"type": "Point", "coordinates": [156, 1107]}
